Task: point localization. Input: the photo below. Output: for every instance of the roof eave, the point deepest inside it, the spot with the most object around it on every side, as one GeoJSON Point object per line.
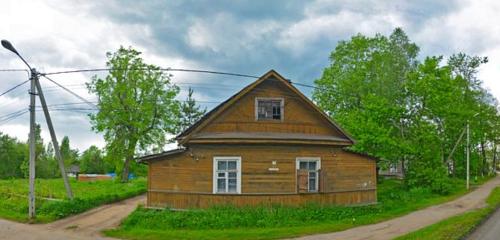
{"type": "Point", "coordinates": [161, 155]}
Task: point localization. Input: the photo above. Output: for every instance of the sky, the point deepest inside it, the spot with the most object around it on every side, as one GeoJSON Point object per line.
{"type": "Point", "coordinates": [250, 37]}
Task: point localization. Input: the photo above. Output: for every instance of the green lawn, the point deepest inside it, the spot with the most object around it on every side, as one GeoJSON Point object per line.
{"type": "Point", "coordinates": [458, 226]}
{"type": "Point", "coordinates": [276, 222]}
{"type": "Point", "coordinates": [14, 201]}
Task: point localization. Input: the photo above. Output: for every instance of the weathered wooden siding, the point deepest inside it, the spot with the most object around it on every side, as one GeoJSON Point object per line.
{"type": "Point", "coordinates": [181, 176]}
{"type": "Point", "coordinates": [190, 200]}
{"type": "Point", "coordinates": [299, 117]}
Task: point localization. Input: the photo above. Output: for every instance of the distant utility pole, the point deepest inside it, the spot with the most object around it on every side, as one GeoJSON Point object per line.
{"type": "Point", "coordinates": [468, 151]}
{"type": "Point", "coordinates": [468, 154]}
{"type": "Point", "coordinates": [467, 133]}
{"type": "Point", "coordinates": [36, 89]}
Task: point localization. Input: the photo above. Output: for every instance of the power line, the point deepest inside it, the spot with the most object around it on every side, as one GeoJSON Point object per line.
{"type": "Point", "coordinates": [5, 120]}
{"type": "Point", "coordinates": [162, 69]}
{"type": "Point", "coordinates": [256, 89]}
{"type": "Point", "coordinates": [15, 70]}
{"type": "Point", "coordinates": [12, 88]}
{"type": "Point", "coordinates": [211, 72]}
{"type": "Point", "coordinates": [71, 92]}
{"type": "Point", "coordinates": [10, 114]}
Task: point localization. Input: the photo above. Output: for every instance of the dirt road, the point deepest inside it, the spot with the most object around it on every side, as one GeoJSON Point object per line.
{"type": "Point", "coordinates": [415, 220]}
{"type": "Point", "coordinates": [88, 225]}
{"type": "Point", "coordinates": [84, 226]}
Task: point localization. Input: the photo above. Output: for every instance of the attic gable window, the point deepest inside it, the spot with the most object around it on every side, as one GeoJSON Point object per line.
{"type": "Point", "coordinates": [269, 108]}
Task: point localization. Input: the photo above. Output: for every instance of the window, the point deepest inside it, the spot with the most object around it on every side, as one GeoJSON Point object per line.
{"type": "Point", "coordinates": [269, 108]}
{"type": "Point", "coordinates": [227, 175]}
{"type": "Point", "coordinates": [308, 174]}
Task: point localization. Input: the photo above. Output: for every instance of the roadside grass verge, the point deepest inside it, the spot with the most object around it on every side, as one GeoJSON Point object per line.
{"type": "Point", "coordinates": [227, 222]}
{"type": "Point", "coordinates": [87, 195]}
{"type": "Point", "coordinates": [458, 226]}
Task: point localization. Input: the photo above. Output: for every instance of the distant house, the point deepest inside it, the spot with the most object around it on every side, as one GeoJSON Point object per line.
{"type": "Point", "coordinates": [267, 144]}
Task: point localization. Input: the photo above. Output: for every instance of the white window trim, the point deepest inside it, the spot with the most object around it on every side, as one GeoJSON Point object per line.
{"type": "Point", "coordinates": [308, 159]}
{"type": "Point", "coordinates": [282, 106]}
{"type": "Point", "coordinates": [238, 173]}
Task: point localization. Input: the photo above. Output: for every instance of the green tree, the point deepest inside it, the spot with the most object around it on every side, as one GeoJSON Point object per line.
{"type": "Point", "coordinates": [92, 161]}
{"type": "Point", "coordinates": [482, 106]}
{"type": "Point", "coordinates": [137, 106]}
{"type": "Point", "coordinates": [46, 165]}
{"type": "Point", "coordinates": [402, 110]}
{"type": "Point", "coordinates": [190, 112]}
{"type": "Point", "coordinates": [69, 156]}
{"type": "Point", "coordinates": [12, 154]}
{"type": "Point", "coordinates": [364, 90]}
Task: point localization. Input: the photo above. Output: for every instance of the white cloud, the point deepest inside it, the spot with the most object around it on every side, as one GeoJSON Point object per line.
{"type": "Point", "coordinates": [332, 27]}
{"type": "Point", "coordinates": [472, 29]}
{"type": "Point", "coordinates": [228, 35]}
{"type": "Point", "coordinates": [60, 35]}
{"type": "Point", "coordinates": [56, 36]}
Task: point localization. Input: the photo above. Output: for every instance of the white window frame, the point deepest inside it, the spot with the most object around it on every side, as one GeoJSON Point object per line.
{"type": "Point", "coordinates": [282, 107]}
{"type": "Point", "coordinates": [318, 167]}
{"type": "Point", "coordinates": [238, 173]}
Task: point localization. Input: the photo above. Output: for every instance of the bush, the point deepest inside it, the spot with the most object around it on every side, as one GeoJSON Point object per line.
{"type": "Point", "coordinates": [433, 178]}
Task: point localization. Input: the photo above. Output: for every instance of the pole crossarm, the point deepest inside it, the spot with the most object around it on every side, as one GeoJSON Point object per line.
{"type": "Point", "coordinates": [456, 144]}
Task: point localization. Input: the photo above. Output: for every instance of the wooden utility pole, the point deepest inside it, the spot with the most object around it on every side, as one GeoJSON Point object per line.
{"type": "Point", "coordinates": [32, 142]}
{"type": "Point", "coordinates": [57, 151]}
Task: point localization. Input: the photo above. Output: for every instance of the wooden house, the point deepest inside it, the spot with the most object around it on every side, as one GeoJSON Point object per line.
{"type": "Point", "coordinates": [267, 144]}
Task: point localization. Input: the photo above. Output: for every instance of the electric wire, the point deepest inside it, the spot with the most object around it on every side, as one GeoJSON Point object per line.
{"type": "Point", "coordinates": [69, 91]}
{"type": "Point", "coordinates": [162, 69]}
{"type": "Point", "coordinates": [12, 88]}
{"type": "Point", "coordinates": [20, 113]}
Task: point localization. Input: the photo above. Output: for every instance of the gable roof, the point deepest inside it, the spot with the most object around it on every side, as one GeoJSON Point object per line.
{"type": "Point", "coordinates": [211, 115]}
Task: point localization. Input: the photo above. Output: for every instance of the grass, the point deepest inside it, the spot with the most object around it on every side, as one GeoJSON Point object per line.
{"type": "Point", "coordinates": [276, 222]}
{"type": "Point", "coordinates": [87, 195]}
{"type": "Point", "coordinates": [459, 226]}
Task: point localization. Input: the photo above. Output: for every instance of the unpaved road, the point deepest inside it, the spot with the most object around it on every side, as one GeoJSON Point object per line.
{"type": "Point", "coordinates": [88, 225]}
{"type": "Point", "coordinates": [83, 226]}
{"type": "Point", "coordinates": [415, 220]}
{"type": "Point", "coordinates": [490, 230]}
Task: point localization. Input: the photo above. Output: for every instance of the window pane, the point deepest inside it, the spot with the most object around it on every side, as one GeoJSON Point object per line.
{"type": "Point", "coordinates": [221, 185]}
{"type": "Point", "coordinates": [232, 175]}
{"type": "Point", "coordinates": [231, 165]}
{"type": "Point", "coordinates": [312, 184]}
{"type": "Point", "coordinates": [312, 165]}
{"type": "Point", "coordinates": [231, 185]}
{"type": "Point", "coordinates": [268, 109]}
{"type": "Point", "coordinates": [222, 165]}
{"type": "Point", "coordinates": [222, 174]}
{"type": "Point", "coordinates": [277, 110]}
{"type": "Point", "coordinates": [303, 165]}
{"type": "Point", "coordinates": [312, 181]}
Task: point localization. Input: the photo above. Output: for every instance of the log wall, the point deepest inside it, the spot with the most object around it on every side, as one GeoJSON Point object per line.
{"type": "Point", "coordinates": [347, 178]}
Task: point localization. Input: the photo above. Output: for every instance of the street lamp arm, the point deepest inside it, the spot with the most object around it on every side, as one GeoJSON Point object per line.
{"type": "Point", "coordinates": [7, 45]}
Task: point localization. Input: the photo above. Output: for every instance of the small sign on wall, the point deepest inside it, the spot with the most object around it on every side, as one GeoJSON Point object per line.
{"type": "Point", "coordinates": [274, 168]}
